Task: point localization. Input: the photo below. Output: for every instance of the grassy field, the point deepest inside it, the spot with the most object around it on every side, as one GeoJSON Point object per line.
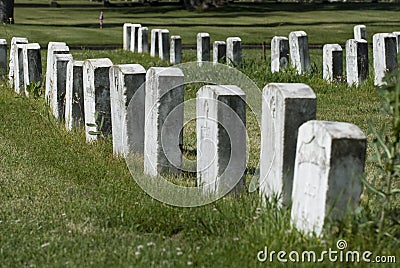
{"type": "Point", "coordinates": [68, 203]}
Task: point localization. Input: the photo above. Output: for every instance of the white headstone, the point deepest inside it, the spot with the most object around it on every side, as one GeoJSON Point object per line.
{"type": "Point", "coordinates": [3, 57]}
{"type": "Point", "coordinates": [176, 50]}
{"type": "Point", "coordinates": [356, 61]}
{"type": "Point", "coordinates": [203, 47]}
{"type": "Point", "coordinates": [299, 54]}
{"type": "Point", "coordinates": [74, 103]}
{"type": "Point", "coordinates": [397, 35]}
{"type": "Point", "coordinates": [163, 44]}
{"type": "Point", "coordinates": [219, 52]}
{"type": "Point", "coordinates": [332, 62]}
{"type": "Point", "coordinates": [19, 85]}
{"type": "Point", "coordinates": [134, 37]}
{"type": "Point", "coordinates": [330, 159]}
{"type": "Point", "coordinates": [143, 40]}
{"type": "Point", "coordinates": [279, 53]}
{"type": "Point", "coordinates": [52, 48]}
{"type": "Point", "coordinates": [234, 51]}
{"type": "Point", "coordinates": [126, 81]}
{"type": "Point", "coordinates": [13, 48]}
{"type": "Point", "coordinates": [126, 36]}
{"type": "Point", "coordinates": [59, 88]}
{"type": "Point", "coordinates": [163, 120]}
{"type": "Point", "coordinates": [285, 107]}
{"type": "Point", "coordinates": [32, 64]}
{"type": "Point", "coordinates": [221, 138]}
{"type": "Point", "coordinates": [360, 32]}
{"type": "Point", "coordinates": [385, 56]}
{"type": "Point", "coordinates": [154, 42]}
{"type": "Point", "coordinates": [96, 95]}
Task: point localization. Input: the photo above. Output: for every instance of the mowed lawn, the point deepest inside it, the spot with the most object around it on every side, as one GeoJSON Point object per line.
{"type": "Point", "coordinates": [64, 202]}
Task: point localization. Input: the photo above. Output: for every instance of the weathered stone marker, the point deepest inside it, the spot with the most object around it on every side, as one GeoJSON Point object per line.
{"type": "Point", "coordinates": [176, 50]}
{"type": "Point", "coordinates": [96, 91]}
{"type": "Point", "coordinates": [135, 37]}
{"type": "Point", "coordinates": [299, 54]}
{"type": "Point", "coordinates": [330, 159]}
{"type": "Point", "coordinates": [163, 120]}
{"type": "Point", "coordinates": [332, 62]}
{"type": "Point", "coordinates": [74, 102]}
{"type": "Point", "coordinates": [279, 53]}
{"type": "Point", "coordinates": [13, 51]}
{"type": "Point", "coordinates": [221, 138]}
{"type": "Point", "coordinates": [19, 84]}
{"type": "Point", "coordinates": [360, 32]}
{"type": "Point", "coordinates": [126, 36]}
{"type": "Point", "coordinates": [143, 40]}
{"type": "Point", "coordinates": [234, 51]}
{"type": "Point", "coordinates": [397, 35]}
{"type": "Point", "coordinates": [3, 57]}
{"type": "Point", "coordinates": [285, 107]}
{"type": "Point", "coordinates": [126, 81]}
{"type": "Point", "coordinates": [163, 44]}
{"type": "Point", "coordinates": [32, 64]}
{"type": "Point", "coordinates": [154, 42]}
{"type": "Point", "coordinates": [385, 56]}
{"type": "Point", "coordinates": [356, 61]}
{"type": "Point", "coordinates": [203, 47]}
{"type": "Point", "coordinates": [59, 88]}
{"type": "Point", "coordinates": [52, 48]}
{"type": "Point", "coordinates": [219, 52]}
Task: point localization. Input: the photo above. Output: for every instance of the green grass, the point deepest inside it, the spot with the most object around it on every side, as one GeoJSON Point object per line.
{"type": "Point", "coordinates": [64, 202]}
{"type": "Point", "coordinates": [255, 22]}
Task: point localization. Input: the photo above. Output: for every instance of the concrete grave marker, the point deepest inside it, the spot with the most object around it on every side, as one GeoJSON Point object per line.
{"type": "Point", "coordinates": [176, 50]}
{"type": "Point", "coordinates": [19, 85]}
{"type": "Point", "coordinates": [143, 40]}
{"type": "Point", "coordinates": [385, 56]}
{"type": "Point", "coordinates": [126, 36]}
{"type": "Point", "coordinates": [356, 61]}
{"type": "Point", "coordinates": [59, 88]}
{"type": "Point", "coordinates": [279, 53]}
{"type": "Point", "coordinates": [96, 95]}
{"type": "Point", "coordinates": [332, 62]}
{"type": "Point", "coordinates": [360, 32]}
{"type": "Point", "coordinates": [74, 102]}
{"type": "Point", "coordinates": [163, 44]}
{"type": "Point", "coordinates": [32, 64]}
{"type": "Point", "coordinates": [221, 138]}
{"type": "Point", "coordinates": [219, 52]}
{"type": "Point", "coordinates": [135, 37]}
{"type": "Point", "coordinates": [127, 118]}
{"type": "Point", "coordinates": [330, 159]}
{"type": "Point", "coordinates": [203, 47]}
{"type": "Point", "coordinates": [3, 57]}
{"type": "Point", "coordinates": [163, 120]}
{"type": "Point", "coordinates": [285, 107]}
{"type": "Point", "coordinates": [13, 50]}
{"type": "Point", "coordinates": [52, 48]}
{"type": "Point", "coordinates": [154, 42]}
{"type": "Point", "coordinates": [299, 54]}
{"type": "Point", "coordinates": [234, 51]}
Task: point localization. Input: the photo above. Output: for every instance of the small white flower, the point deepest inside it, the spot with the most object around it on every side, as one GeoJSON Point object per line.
{"type": "Point", "coordinates": [178, 249]}
{"type": "Point", "coordinates": [235, 238]}
{"type": "Point", "coordinates": [137, 253]}
{"type": "Point", "coordinates": [151, 244]}
{"type": "Point", "coordinates": [179, 253]}
{"type": "Point", "coordinates": [189, 263]}
{"type": "Point", "coordinates": [45, 245]}
{"type": "Point", "coordinates": [140, 247]}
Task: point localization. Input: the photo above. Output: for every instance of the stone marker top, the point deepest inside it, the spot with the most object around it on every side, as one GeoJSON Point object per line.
{"type": "Point", "coordinates": [335, 47]}
{"type": "Point", "coordinates": [164, 31]}
{"type": "Point", "coordinates": [15, 40]}
{"type": "Point", "coordinates": [32, 46]}
{"type": "Point", "coordinates": [56, 44]}
{"type": "Point", "coordinates": [358, 40]}
{"type": "Point", "coordinates": [385, 35]}
{"type": "Point", "coordinates": [175, 37]}
{"type": "Point", "coordinates": [298, 33]}
{"type": "Point", "coordinates": [130, 68]}
{"type": "Point", "coordinates": [63, 57]}
{"type": "Point", "coordinates": [203, 35]}
{"type": "Point", "coordinates": [78, 63]}
{"type": "Point", "coordinates": [3, 42]}
{"type": "Point", "coordinates": [132, 24]}
{"type": "Point", "coordinates": [220, 42]}
{"type": "Point", "coordinates": [233, 39]}
{"type": "Point", "coordinates": [163, 71]}
{"type": "Point", "coordinates": [336, 130]}
{"type": "Point", "coordinates": [156, 29]}
{"type": "Point", "coordinates": [293, 90]}
{"type": "Point", "coordinates": [224, 90]}
{"type": "Point", "coordinates": [99, 63]}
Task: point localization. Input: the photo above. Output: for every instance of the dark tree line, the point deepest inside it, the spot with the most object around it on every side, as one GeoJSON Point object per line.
{"type": "Point", "coordinates": [7, 11]}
